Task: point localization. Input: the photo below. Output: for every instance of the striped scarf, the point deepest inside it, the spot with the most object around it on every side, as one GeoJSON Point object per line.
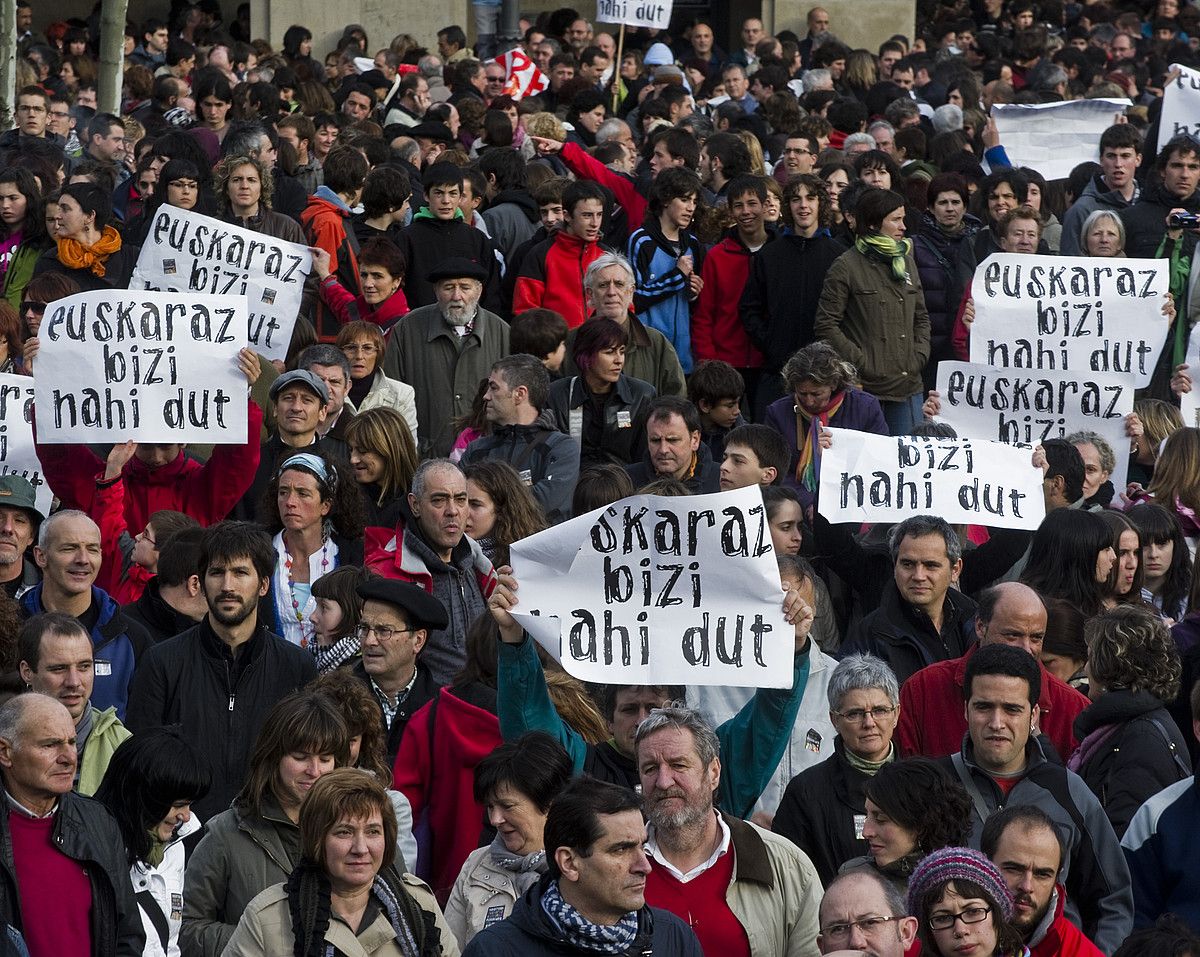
{"type": "Point", "coordinates": [808, 431]}
{"type": "Point", "coordinates": [582, 933]}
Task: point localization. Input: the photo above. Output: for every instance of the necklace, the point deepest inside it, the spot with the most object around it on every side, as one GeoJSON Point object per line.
{"type": "Point", "coordinates": [287, 563]}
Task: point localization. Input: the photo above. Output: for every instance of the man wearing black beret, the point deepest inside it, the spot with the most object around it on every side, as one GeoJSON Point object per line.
{"type": "Point", "coordinates": [395, 624]}
{"type": "Point", "coordinates": [446, 349]}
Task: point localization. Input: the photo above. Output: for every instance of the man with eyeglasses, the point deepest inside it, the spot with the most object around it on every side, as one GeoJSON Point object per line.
{"type": "Point", "coordinates": [32, 119]}
{"type": "Point", "coordinates": [931, 720]}
{"type": "Point", "coordinates": [862, 912]}
{"type": "Point", "coordinates": [799, 157]}
{"type": "Point", "coordinates": [394, 625]}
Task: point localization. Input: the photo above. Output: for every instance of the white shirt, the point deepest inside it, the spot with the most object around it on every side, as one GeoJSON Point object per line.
{"type": "Point", "coordinates": [655, 852]}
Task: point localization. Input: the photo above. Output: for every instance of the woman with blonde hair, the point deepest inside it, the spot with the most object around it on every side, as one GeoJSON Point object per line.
{"type": "Point", "coordinates": [383, 456]}
{"type": "Point", "coordinates": [861, 73]}
{"type": "Point", "coordinates": [1176, 481]}
{"type": "Point", "coordinates": [1159, 420]}
{"type": "Point", "coordinates": [758, 165]}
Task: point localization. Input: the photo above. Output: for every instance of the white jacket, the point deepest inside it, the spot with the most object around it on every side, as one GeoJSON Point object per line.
{"type": "Point", "coordinates": [165, 885]}
{"type": "Point", "coordinates": [391, 394]}
{"type": "Point", "coordinates": [812, 734]}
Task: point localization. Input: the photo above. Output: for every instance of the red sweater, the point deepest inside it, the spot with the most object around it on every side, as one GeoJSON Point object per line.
{"type": "Point", "coordinates": [1063, 939]}
{"type": "Point", "coordinates": [717, 330]}
{"type": "Point", "coordinates": [586, 166]}
{"type": "Point", "coordinates": [933, 722]}
{"type": "Point", "coordinates": [55, 923]}
{"type": "Point", "coordinates": [435, 770]}
{"type": "Point", "coordinates": [701, 903]}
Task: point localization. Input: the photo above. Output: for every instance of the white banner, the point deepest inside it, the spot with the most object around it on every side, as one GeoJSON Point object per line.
{"type": "Point", "coordinates": [1180, 106]}
{"type": "Point", "coordinates": [1189, 402]}
{"type": "Point", "coordinates": [877, 478]}
{"type": "Point", "coordinates": [658, 590]}
{"type": "Point", "coordinates": [1054, 138]}
{"type": "Point", "coordinates": [1027, 406]}
{"type": "Point", "coordinates": [1070, 313]}
{"type": "Point", "coordinates": [17, 453]}
{"type": "Point", "coordinates": [189, 252]}
{"type": "Point", "coordinates": [635, 13]}
{"type": "Point", "coordinates": [121, 364]}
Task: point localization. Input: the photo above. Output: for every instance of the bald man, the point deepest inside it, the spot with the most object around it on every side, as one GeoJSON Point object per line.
{"type": "Point", "coordinates": [932, 721]}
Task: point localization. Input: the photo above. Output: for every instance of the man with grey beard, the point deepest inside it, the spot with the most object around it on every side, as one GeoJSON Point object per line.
{"type": "Point", "coordinates": [444, 350]}
{"type": "Point", "coordinates": [742, 889]}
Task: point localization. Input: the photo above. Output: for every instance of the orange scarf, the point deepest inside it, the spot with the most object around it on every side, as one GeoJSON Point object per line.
{"type": "Point", "coordinates": [75, 255]}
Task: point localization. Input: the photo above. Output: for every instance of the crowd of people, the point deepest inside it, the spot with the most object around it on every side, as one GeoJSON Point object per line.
{"type": "Point", "coordinates": [271, 698]}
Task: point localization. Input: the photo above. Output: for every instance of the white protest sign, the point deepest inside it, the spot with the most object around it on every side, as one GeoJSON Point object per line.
{"type": "Point", "coordinates": [1028, 406]}
{"type": "Point", "coordinates": [1054, 138]}
{"type": "Point", "coordinates": [1181, 106]}
{"type": "Point", "coordinates": [121, 364]}
{"type": "Point", "coordinates": [1070, 313]}
{"type": "Point", "coordinates": [1189, 402]}
{"type": "Point", "coordinates": [879, 478]}
{"type": "Point", "coordinates": [17, 453]}
{"type": "Point", "coordinates": [655, 14]}
{"type": "Point", "coordinates": [189, 252]}
{"type": "Point", "coordinates": [658, 590]}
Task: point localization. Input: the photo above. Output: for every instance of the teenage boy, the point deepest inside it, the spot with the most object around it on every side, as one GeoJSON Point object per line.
{"type": "Point", "coordinates": [716, 389]}
{"type": "Point", "coordinates": [541, 333]}
{"type": "Point", "coordinates": [551, 272]}
{"type": "Point", "coordinates": [438, 232]}
{"type": "Point", "coordinates": [667, 258]}
{"type": "Point", "coordinates": [717, 330]}
{"type": "Point", "coordinates": [754, 455]}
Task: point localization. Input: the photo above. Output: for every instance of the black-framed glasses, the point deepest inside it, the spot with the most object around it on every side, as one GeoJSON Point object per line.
{"type": "Point", "coordinates": [868, 925]}
{"type": "Point", "coordinates": [382, 632]}
{"type": "Point", "coordinates": [972, 915]}
{"type": "Point", "coordinates": [859, 715]}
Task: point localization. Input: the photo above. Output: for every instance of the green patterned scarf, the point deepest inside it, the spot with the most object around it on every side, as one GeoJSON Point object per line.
{"type": "Point", "coordinates": [888, 250]}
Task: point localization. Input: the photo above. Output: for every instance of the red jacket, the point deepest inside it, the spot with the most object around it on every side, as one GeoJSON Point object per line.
{"type": "Point", "coordinates": [348, 307]}
{"type": "Point", "coordinates": [933, 720]}
{"type": "Point", "coordinates": [385, 553]}
{"type": "Point", "coordinates": [717, 330]}
{"type": "Point", "coordinates": [1062, 938]}
{"type": "Point", "coordinates": [124, 585]}
{"type": "Point", "coordinates": [206, 492]}
{"type": "Point", "coordinates": [552, 277]}
{"type": "Point", "coordinates": [586, 166]}
{"type": "Point", "coordinates": [435, 770]}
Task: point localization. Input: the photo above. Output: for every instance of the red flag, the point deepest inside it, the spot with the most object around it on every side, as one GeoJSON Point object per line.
{"type": "Point", "coordinates": [521, 75]}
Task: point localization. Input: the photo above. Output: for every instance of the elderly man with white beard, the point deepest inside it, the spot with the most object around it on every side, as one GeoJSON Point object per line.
{"type": "Point", "coordinates": [444, 350]}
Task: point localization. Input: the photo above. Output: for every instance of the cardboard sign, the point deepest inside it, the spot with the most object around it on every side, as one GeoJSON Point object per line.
{"type": "Point", "coordinates": [878, 478]}
{"type": "Point", "coordinates": [121, 364]}
{"type": "Point", "coordinates": [658, 590]}
{"type": "Point", "coordinates": [1054, 138]}
{"type": "Point", "coordinates": [1070, 314]}
{"type": "Point", "coordinates": [1180, 107]}
{"type": "Point", "coordinates": [1028, 406]}
{"type": "Point", "coordinates": [188, 252]}
{"type": "Point", "coordinates": [17, 454]}
{"type": "Point", "coordinates": [655, 14]}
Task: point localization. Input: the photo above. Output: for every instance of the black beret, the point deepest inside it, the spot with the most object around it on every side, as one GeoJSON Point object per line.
{"type": "Point", "coordinates": [420, 607]}
{"type": "Point", "coordinates": [457, 267]}
{"type": "Point", "coordinates": [431, 130]}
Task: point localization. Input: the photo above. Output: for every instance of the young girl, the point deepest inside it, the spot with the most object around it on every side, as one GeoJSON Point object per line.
{"type": "Point", "coordinates": [335, 617]}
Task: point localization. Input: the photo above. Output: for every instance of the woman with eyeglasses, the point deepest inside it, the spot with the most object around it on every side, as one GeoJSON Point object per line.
{"type": "Point", "coordinates": [364, 345]}
{"type": "Point", "coordinates": [824, 807]}
{"type": "Point", "coordinates": [23, 235]}
{"type": "Point", "coordinates": [315, 515]}
{"type": "Point", "coordinates": [963, 906]}
{"type": "Point", "coordinates": [178, 185]}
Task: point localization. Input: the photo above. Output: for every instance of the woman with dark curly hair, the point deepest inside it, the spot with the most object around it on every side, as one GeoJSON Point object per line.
{"type": "Point", "coordinates": [244, 188]}
{"type": "Point", "coordinates": [1129, 746]}
{"type": "Point", "coordinates": [913, 808]}
{"type": "Point", "coordinates": [500, 508]}
{"type": "Point", "coordinates": [315, 514]}
{"type": "Point", "coordinates": [1071, 557]}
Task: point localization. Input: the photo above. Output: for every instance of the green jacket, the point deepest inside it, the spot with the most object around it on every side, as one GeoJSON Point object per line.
{"type": "Point", "coordinates": [240, 857]}
{"type": "Point", "coordinates": [19, 272]}
{"type": "Point", "coordinates": [107, 735]}
{"type": "Point", "coordinates": [876, 323]}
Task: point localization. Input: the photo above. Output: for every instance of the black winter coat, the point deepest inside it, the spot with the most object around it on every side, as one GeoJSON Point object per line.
{"type": "Point", "coordinates": [84, 831]}
{"type": "Point", "coordinates": [779, 301]}
{"type": "Point", "coordinates": [1146, 220]}
{"type": "Point", "coordinates": [220, 702]}
{"type": "Point", "coordinates": [1145, 753]}
{"type": "Point", "coordinates": [623, 441]}
{"type": "Point", "coordinates": [529, 932]}
{"type": "Point", "coordinates": [818, 810]}
{"type": "Point", "coordinates": [937, 254]}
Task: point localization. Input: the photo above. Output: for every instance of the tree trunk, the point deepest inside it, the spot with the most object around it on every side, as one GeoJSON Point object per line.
{"type": "Point", "coordinates": [112, 54]}
{"type": "Point", "coordinates": [8, 62]}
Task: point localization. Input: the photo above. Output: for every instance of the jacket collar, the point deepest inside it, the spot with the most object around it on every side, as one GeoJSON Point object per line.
{"type": "Point", "coordinates": [750, 850]}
